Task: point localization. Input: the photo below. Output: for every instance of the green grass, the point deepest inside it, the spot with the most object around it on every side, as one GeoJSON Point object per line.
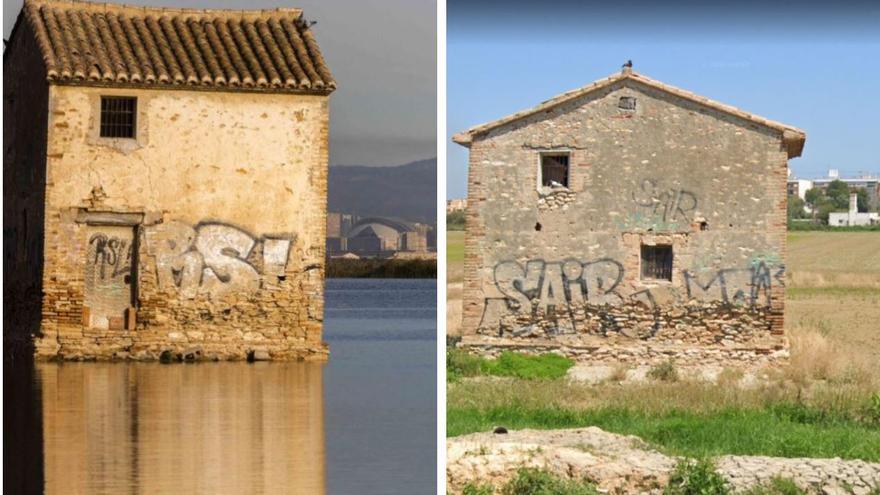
{"type": "Point", "coordinates": [454, 246]}
{"type": "Point", "coordinates": [530, 481]}
{"type": "Point", "coordinates": [777, 486]}
{"type": "Point", "coordinates": [528, 367]}
{"type": "Point", "coordinates": [783, 430]}
{"type": "Point", "coordinates": [542, 366]}
{"type": "Point", "coordinates": [460, 364]}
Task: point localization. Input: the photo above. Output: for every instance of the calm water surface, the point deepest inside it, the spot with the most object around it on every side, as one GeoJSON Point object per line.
{"type": "Point", "coordinates": [363, 423]}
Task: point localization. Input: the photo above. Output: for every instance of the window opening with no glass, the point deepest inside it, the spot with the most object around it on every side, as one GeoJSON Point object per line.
{"type": "Point", "coordinates": [657, 262]}
{"type": "Point", "coordinates": [118, 116]}
{"type": "Point", "coordinates": [627, 103]}
{"type": "Point", "coordinates": [554, 170]}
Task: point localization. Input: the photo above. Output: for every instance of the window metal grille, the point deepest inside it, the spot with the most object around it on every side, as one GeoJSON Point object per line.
{"type": "Point", "coordinates": [554, 170]}
{"type": "Point", "coordinates": [118, 116]}
{"type": "Point", "coordinates": [656, 262]}
{"type": "Point", "coordinates": [627, 103]}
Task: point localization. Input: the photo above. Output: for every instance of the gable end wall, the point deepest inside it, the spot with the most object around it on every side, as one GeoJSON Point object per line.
{"type": "Point", "coordinates": [671, 173]}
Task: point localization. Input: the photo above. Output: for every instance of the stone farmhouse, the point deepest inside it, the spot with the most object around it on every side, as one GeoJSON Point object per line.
{"type": "Point", "coordinates": [628, 220]}
{"type": "Point", "coordinates": [165, 183]}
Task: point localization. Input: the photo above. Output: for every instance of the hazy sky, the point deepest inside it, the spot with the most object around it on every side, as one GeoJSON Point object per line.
{"type": "Point", "coordinates": [813, 67]}
{"type": "Point", "coordinates": [384, 58]}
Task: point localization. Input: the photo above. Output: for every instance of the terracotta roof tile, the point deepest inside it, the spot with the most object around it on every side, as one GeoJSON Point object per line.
{"type": "Point", "coordinates": [271, 50]}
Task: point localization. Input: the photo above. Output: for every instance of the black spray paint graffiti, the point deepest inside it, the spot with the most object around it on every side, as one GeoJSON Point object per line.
{"type": "Point", "coordinates": [215, 258]}
{"type": "Point", "coordinates": [737, 286]}
{"type": "Point", "coordinates": [553, 293]}
{"type": "Point", "coordinates": [666, 205]}
{"type": "Point", "coordinates": [112, 256]}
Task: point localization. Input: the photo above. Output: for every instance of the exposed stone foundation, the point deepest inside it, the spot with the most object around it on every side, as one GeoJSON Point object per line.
{"type": "Point", "coordinates": [189, 303]}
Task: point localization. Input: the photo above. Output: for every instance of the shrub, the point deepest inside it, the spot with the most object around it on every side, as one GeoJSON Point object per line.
{"type": "Point", "coordinates": [696, 477]}
{"type": "Point", "coordinates": [619, 373]}
{"type": "Point", "coordinates": [546, 366]}
{"type": "Point", "coordinates": [664, 372]}
{"type": "Point", "coordinates": [530, 481]}
{"type": "Point", "coordinates": [874, 410]}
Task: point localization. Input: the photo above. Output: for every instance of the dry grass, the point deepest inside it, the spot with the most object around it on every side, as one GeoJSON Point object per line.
{"type": "Point", "coordinates": [453, 317]}
{"type": "Point", "coordinates": [832, 307]}
{"type": "Point", "coordinates": [849, 319]}
{"type": "Point", "coordinates": [454, 279]}
{"type": "Point", "coordinates": [619, 373]}
{"type": "Point", "coordinates": [833, 259]}
{"type": "Point", "coordinates": [816, 356]}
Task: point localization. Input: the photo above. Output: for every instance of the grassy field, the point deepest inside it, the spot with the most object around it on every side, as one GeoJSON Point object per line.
{"type": "Point", "coordinates": [455, 247]}
{"type": "Point", "coordinates": [454, 276]}
{"type": "Point", "coordinates": [825, 403]}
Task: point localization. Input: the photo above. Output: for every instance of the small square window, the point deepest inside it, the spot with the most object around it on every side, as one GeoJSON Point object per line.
{"type": "Point", "coordinates": [554, 170]}
{"type": "Point", "coordinates": [657, 262]}
{"type": "Point", "coordinates": [118, 116]}
{"type": "Point", "coordinates": [627, 103]}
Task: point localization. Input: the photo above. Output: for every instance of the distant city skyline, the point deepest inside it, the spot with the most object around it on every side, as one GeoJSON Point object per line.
{"type": "Point", "coordinates": [811, 66]}
{"type": "Point", "coordinates": [383, 55]}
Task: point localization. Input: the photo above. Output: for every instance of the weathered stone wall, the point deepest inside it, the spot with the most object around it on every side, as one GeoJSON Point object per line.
{"type": "Point", "coordinates": [25, 108]}
{"type": "Point", "coordinates": [560, 268]}
{"type": "Point", "coordinates": [211, 223]}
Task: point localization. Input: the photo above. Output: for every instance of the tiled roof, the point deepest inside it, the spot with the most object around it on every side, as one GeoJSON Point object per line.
{"type": "Point", "coordinates": [793, 137]}
{"type": "Point", "coordinates": [91, 43]}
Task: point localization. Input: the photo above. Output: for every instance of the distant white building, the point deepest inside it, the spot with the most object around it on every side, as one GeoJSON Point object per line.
{"type": "Point", "coordinates": [853, 217]}
{"type": "Point", "coordinates": [868, 182]}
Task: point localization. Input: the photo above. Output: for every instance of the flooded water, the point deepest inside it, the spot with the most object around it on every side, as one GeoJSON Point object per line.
{"type": "Point", "coordinates": [365, 422]}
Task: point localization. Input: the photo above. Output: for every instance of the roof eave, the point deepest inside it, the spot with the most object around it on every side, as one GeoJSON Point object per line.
{"type": "Point", "coordinates": [794, 140]}
{"type": "Point", "coordinates": [463, 138]}
{"type": "Point", "coordinates": [192, 87]}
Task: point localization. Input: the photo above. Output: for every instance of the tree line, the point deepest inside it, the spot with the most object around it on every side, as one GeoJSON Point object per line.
{"type": "Point", "coordinates": [822, 202]}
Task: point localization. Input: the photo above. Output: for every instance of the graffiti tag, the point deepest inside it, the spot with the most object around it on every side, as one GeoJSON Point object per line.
{"type": "Point", "coordinates": [215, 258]}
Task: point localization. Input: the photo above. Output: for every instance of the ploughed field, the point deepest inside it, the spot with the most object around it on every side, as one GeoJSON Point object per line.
{"type": "Point", "coordinates": [824, 403]}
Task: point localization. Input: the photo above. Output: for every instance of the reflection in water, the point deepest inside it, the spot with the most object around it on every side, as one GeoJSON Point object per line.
{"type": "Point", "coordinates": [213, 428]}
{"type": "Point", "coordinates": [203, 428]}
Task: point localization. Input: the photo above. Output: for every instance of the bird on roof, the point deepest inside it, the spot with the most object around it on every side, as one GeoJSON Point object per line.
{"type": "Point", "coordinates": [629, 63]}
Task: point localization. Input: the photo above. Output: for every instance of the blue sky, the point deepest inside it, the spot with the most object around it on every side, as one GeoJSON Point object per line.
{"type": "Point", "coordinates": [819, 72]}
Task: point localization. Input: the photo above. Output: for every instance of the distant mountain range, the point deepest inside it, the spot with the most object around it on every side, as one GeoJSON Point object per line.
{"type": "Point", "coordinates": [408, 192]}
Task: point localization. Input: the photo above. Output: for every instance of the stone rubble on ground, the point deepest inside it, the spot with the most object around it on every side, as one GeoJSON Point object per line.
{"type": "Point", "coordinates": [626, 464]}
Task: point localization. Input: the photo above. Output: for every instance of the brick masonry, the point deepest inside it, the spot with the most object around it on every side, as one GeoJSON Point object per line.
{"type": "Point", "coordinates": [553, 268]}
